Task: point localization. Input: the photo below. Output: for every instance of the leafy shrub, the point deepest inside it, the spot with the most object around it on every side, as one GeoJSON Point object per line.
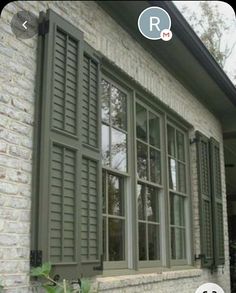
{"type": "Point", "coordinates": [53, 286]}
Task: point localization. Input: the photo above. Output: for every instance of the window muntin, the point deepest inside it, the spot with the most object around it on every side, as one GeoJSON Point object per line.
{"type": "Point", "coordinates": [177, 194]}
{"type": "Point", "coordinates": [114, 127]}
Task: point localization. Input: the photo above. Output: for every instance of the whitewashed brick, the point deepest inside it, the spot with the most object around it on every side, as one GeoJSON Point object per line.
{"type": "Point", "coordinates": [8, 188]}
{"type": "Point", "coordinates": [8, 161]}
{"type": "Point", "coordinates": [17, 176]}
{"type": "Point", "coordinates": [21, 104]}
{"type": "Point", "coordinates": [8, 239]}
{"type": "Point", "coordinates": [2, 173]}
{"type": "Point", "coordinates": [17, 127]}
{"type": "Point", "coordinates": [19, 152]}
{"type": "Point", "coordinates": [4, 121]}
{"type": "Point", "coordinates": [8, 136]}
{"type": "Point", "coordinates": [4, 98]}
{"type": "Point", "coordinates": [3, 147]}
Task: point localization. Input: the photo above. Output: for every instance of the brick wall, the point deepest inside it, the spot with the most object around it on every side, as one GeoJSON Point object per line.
{"type": "Point", "coordinates": [17, 96]}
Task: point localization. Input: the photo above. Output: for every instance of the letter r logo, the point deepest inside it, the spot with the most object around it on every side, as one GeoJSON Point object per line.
{"type": "Point", "coordinates": [154, 21]}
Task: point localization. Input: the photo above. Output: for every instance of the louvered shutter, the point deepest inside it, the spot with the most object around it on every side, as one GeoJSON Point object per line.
{"type": "Point", "coordinates": [69, 230]}
{"type": "Point", "coordinates": [205, 204]}
{"type": "Point", "coordinates": [217, 206]}
{"type": "Point", "coordinates": [91, 176]}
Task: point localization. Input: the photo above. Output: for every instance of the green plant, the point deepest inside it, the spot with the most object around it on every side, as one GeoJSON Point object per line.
{"type": "Point", "coordinates": [52, 286]}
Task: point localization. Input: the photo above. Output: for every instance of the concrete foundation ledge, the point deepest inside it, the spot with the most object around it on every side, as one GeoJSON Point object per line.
{"type": "Point", "coordinates": [115, 282]}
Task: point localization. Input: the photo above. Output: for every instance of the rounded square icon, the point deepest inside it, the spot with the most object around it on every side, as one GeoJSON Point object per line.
{"type": "Point", "coordinates": [152, 21]}
{"type": "Point", "coordinates": [209, 288]}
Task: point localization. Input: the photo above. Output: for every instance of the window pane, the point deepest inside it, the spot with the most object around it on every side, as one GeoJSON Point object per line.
{"type": "Point", "coordinates": [180, 146]}
{"type": "Point", "coordinates": [171, 140]}
{"type": "Point", "coordinates": [141, 122]}
{"type": "Point", "coordinates": [105, 146]}
{"type": "Point", "coordinates": [118, 150]}
{"type": "Point", "coordinates": [104, 192]}
{"type": "Point", "coordinates": [118, 108]}
{"type": "Point", "coordinates": [141, 201]}
{"type": "Point", "coordinates": [172, 174]}
{"type": "Point", "coordinates": [142, 241]}
{"type": "Point", "coordinates": [105, 97]}
{"type": "Point", "coordinates": [115, 196]}
{"type": "Point", "coordinates": [178, 246]}
{"type": "Point", "coordinates": [116, 240]}
{"type": "Point", "coordinates": [153, 242]}
{"type": "Point", "coordinates": [152, 205]}
{"type": "Point", "coordinates": [177, 210]}
{"type": "Point", "coordinates": [104, 241]}
{"type": "Point", "coordinates": [154, 130]}
{"type": "Point", "coordinates": [155, 166]}
{"type": "Point", "coordinates": [142, 163]}
{"type": "Point", "coordinates": [181, 178]}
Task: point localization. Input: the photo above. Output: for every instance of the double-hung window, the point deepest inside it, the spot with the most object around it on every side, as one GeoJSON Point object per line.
{"type": "Point", "coordinates": [159, 200]}
{"type": "Point", "coordinates": [115, 170]}
{"type": "Point", "coordinates": [178, 195]}
{"type": "Point", "coordinates": [148, 178]}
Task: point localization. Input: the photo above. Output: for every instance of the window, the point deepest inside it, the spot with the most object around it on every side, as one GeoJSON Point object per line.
{"type": "Point", "coordinates": [113, 217]}
{"type": "Point", "coordinates": [135, 189]}
{"type": "Point", "coordinates": [177, 191]}
{"type": "Point", "coordinates": [114, 127]}
{"type": "Point", "coordinates": [115, 166]}
{"type": "Point", "coordinates": [148, 150]}
{"type": "Point", "coordinates": [148, 145]}
{"type": "Point", "coordinates": [148, 223]}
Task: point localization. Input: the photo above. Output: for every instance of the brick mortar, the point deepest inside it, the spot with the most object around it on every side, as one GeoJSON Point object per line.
{"type": "Point", "coordinates": [17, 85]}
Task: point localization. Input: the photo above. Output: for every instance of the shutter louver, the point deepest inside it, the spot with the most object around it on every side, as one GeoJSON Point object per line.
{"type": "Point", "coordinates": [205, 205]}
{"type": "Point", "coordinates": [89, 210]}
{"type": "Point", "coordinates": [217, 202]}
{"type": "Point", "coordinates": [69, 177]}
{"type": "Point", "coordinates": [90, 106]}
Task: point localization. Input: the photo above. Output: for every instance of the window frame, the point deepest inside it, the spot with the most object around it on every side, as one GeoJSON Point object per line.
{"type": "Point", "coordinates": [166, 115]}
{"type": "Point", "coordinates": [187, 195]}
{"type": "Point", "coordinates": [141, 99]}
{"type": "Point", "coordinates": [125, 175]}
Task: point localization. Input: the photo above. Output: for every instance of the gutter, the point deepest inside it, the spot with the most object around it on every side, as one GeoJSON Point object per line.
{"type": "Point", "coordinates": [190, 39]}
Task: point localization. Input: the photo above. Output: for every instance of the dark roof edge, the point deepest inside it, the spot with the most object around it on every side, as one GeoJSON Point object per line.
{"type": "Point", "coordinates": [190, 39]}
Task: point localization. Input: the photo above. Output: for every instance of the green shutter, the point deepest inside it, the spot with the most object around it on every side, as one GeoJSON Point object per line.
{"type": "Point", "coordinates": [217, 205]}
{"type": "Point", "coordinates": [91, 176]}
{"type": "Point", "coordinates": [205, 204]}
{"type": "Point", "coordinates": [69, 192]}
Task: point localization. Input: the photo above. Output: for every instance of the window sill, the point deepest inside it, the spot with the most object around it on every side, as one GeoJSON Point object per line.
{"type": "Point", "coordinates": [139, 278]}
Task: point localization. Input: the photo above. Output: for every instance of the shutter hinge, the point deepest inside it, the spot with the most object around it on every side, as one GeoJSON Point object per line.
{"type": "Point", "coordinates": [36, 258]}
{"type": "Point", "coordinates": [200, 257]}
{"type": "Point", "coordinates": [193, 140]}
{"type": "Point", "coordinates": [100, 267]}
{"type": "Point", "coordinates": [43, 28]}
